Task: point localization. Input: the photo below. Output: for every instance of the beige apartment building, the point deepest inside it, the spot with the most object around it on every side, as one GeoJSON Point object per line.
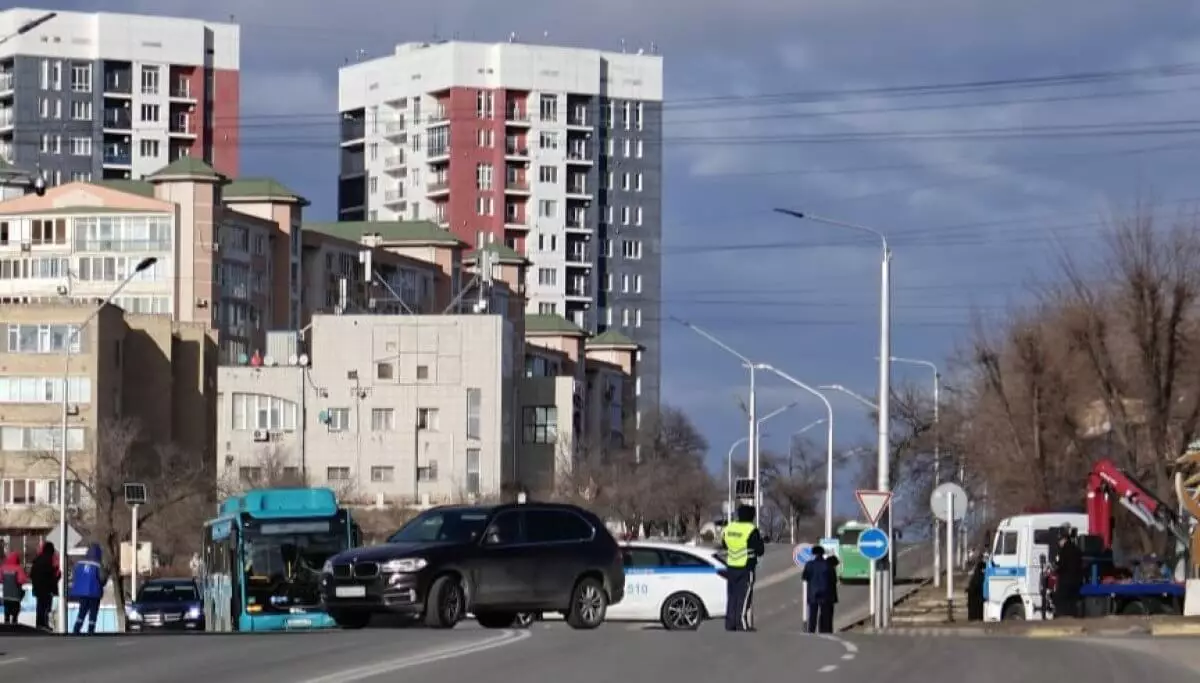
{"type": "Point", "coordinates": [145, 367]}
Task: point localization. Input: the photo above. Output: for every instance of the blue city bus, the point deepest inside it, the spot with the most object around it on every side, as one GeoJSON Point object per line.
{"type": "Point", "coordinates": [262, 560]}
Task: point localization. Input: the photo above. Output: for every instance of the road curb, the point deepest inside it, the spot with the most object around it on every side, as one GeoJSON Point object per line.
{"type": "Point", "coordinates": [1177, 629]}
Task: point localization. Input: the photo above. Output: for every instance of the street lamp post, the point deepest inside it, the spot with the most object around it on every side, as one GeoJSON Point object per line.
{"type": "Point", "coordinates": [828, 441]}
{"type": "Point", "coordinates": [883, 464]}
{"type": "Point", "coordinates": [937, 456]}
{"type": "Point", "coordinates": [72, 337]}
{"type": "Point", "coordinates": [791, 507]}
{"type": "Point", "coordinates": [752, 438]}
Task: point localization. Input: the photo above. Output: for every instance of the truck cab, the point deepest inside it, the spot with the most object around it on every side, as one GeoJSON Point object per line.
{"type": "Point", "coordinates": [1012, 587]}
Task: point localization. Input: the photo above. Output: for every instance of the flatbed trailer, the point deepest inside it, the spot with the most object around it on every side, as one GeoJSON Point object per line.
{"type": "Point", "coordinates": [1134, 599]}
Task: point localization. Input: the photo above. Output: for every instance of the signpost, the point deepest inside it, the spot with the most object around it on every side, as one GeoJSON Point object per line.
{"type": "Point", "coordinates": [874, 504]}
{"type": "Point", "coordinates": [802, 554]}
{"type": "Point", "coordinates": [831, 546]}
{"type": "Point", "coordinates": [873, 544]}
{"type": "Point", "coordinates": [135, 497]}
{"type": "Point", "coordinates": [949, 504]}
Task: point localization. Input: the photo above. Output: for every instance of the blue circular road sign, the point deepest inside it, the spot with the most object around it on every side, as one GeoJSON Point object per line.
{"type": "Point", "coordinates": [802, 554]}
{"type": "Point", "coordinates": [873, 544]}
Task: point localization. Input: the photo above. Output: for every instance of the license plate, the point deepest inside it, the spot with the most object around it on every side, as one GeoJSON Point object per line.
{"type": "Point", "coordinates": [350, 591]}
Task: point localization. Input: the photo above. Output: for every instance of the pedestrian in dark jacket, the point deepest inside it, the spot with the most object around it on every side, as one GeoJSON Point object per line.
{"type": "Point", "coordinates": [975, 588]}
{"type": "Point", "coordinates": [1068, 577]}
{"type": "Point", "coordinates": [12, 580]}
{"type": "Point", "coordinates": [821, 577]}
{"type": "Point", "coordinates": [87, 588]}
{"type": "Point", "coordinates": [44, 575]}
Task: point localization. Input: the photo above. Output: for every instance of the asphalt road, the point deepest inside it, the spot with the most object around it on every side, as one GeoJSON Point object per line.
{"type": "Point", "coordinates": [615, 652]}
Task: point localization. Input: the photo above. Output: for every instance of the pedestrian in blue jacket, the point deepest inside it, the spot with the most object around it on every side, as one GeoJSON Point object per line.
{"type": "Point", "coordinates": [87, 587]}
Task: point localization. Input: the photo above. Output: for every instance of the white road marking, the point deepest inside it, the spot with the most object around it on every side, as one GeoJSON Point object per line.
{"type": "Point", "coordinates": [452, 652]}
{"type": "Point", "coordinates": [14, 660]}
{"type": "Point", "coordinates": [847, 657]}
{"type": "Point", "coordinates": [827, 668]}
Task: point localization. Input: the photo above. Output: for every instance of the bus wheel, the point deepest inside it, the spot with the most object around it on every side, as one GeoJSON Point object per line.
{"type": "Point", "coordinates": [351, 620]}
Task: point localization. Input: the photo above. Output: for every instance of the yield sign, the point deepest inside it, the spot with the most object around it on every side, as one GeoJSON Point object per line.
{"type": "Point", "coordinates": [873, 503]}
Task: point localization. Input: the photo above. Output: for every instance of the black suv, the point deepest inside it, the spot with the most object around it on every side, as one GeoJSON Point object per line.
{"type": "Point", "coordinates": [499, 562]}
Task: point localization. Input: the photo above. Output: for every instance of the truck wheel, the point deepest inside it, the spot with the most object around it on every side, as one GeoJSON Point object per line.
{"type": "Point", "coordinates": [1013, 611]}
{"type": "Point", "coordinates": [1136, 608]}
{"type": "Point", "coordinates": [445, 605]}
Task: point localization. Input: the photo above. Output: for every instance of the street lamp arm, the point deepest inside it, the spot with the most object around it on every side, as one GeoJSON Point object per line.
{"type": "Point", "coordinates": [717, 342]}
{"type": "Point", "coordinates": [916, 361]}
{"type": "Point", "coordinates": [840, 224]}
{"type": "Point", "coordinates": [777, 411]}
{"type": "Point", "coordinates": [856, 396]}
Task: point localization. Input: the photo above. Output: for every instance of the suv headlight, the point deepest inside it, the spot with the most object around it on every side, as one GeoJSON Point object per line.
{"type": "Point", "coordinates": [327, 568]}
{"type": "Point", "coordinates": [133, 615]}
{"type": "Point", "coordinates": [406, 565]}
{"type": "Point", "coordinates": [194, 613]}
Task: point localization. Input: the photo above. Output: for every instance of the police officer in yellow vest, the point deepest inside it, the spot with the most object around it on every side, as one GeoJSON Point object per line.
{"type": "Point", "coordinates": [743, 546]}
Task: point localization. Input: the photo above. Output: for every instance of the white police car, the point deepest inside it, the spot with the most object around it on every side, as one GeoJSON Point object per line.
{"type": "Point", "coordinates": [676, 585]}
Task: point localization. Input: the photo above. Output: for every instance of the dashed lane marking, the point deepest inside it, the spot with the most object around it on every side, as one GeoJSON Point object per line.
{"type": "Point", "coordinates": [14, 660]}
{"type": "Point", "coordinates": [429, 657]}
{"type": "Point", "coordinates": [827, 668]}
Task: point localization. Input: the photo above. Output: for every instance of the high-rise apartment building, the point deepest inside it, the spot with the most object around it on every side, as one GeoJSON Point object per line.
{"type": "Point", "coordinates": [96, 96]}
{"type": "Point", "coordinates": [555, 152]}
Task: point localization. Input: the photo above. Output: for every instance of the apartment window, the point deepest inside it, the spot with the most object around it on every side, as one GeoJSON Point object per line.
{"type": "Point", "coordinates": [44, 390]}
{"type": "Point", "coordinates": [625, 283]}
{"type": "Point", "coordinates": [74, 492]}
{"type": "Point", "coordinates": [427, 419]}
{"type": "Point", "coordinates": [637, 215]}
{"type": "Point", "coordinates": [547, 208]}
{"type": "Point", "coordinates": [637, 182]}
{"type": "Point", "coordinates": [483, 206]}
{"type": "Point", "coordinates": [428, 471]}
{"type": "Point", "coordinates": [548, 105]}
{"type": "Point", "coordinates": [472, 471]}
{"type": "Point", "coordinates": [626, 147]}
{"type": "Point", "coordinates": [625, 215]}
{"type": "Point", "coordinates": [81, 78]}
{"type": "Point", "coordinates": [610, 147]}
{"type": "Point", "coordinates": [474, 413]}
{"type": "Point", "coordinates": [42, 338]}
{"type": "Point", "coordinates": [548, 140]}
{"type": "Point", "coordinates": [608, 282]}
{"type": "Point", "coordinates": [639, 116]}
{"type": "Point", "coordinates": [637, 284]}
{"type": "Point", "coordinates": [250, 476]}
{"type": "Point", "coordinates": [262, 412]}
{"type": "Point", "coordinates": [638, 149]}
{"type": "Point", "coordinates": [18, 492]}
{"type": "Point", "coordinates": [150, 79]}
{"type": "Point", "coordinates": [150, 112]}
{"type": "Point", "coordinates": [540, 424]}
{"type": "Point", "coordinates": [547, 308]}
{"type": "Point", "coordinates": [626, 118]}
{"type": "Point", "coordinates": [423, 372]}
{"type": "Point", "coordinates": [51, 144]}
{"type": "Point", "coordinates": [485, 138]}
{"type": "Point", "coordinates": [56, 75]}
{"type": "Point", "coordinates": [381, 474]}
{"type": "Point", "coordinates": [547, 276]}
{"type": "Point", "coordinates": [625, 318]}
{"type": "Point", "coordinates": [485, 104]}
{"type": "Point", "coordinates": [625, 181]}
{"type": "Point", "coordinates": [383, 420]}
{"type": "Point", "coordinates": [149, 148]}
{"type": "Point", "coordinates": [81, 111]}
{"type": "Point", "coordinates": [373, 185]}
{"type": "Point", "coordinates": [548, 174]}
{"type": "Point", "coordinates": [334, 474]}
{"type": "Point", "coordinates": [631, 249]}
{"type": "Point", "coordinates": [40, 439]}
{"type": "Point", "coordinates": [81, 147]}
{"type": "Point", "coordinates": [483, 177]}
{"type": "Point", "coordinates": [385, 371]}
{"type": "Point", "coordinates": [77, 177]}
{"type": "Point", "coordinates": [337, 419]}
{"type": "Point", "coordinates": [637, 317]}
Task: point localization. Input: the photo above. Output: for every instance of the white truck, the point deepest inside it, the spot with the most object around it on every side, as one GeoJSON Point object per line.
{"type": "Point", "coordinates": [1012, 586]}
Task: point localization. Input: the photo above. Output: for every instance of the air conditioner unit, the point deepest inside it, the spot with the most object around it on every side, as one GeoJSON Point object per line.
{"type": "Point", "coordinates": [26, 246]}
{"type": "Point", "coordinates": [262, 435]}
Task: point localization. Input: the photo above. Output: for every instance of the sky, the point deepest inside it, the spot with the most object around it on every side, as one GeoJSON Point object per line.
{"type": "Point", "coordinates": [941, 123]}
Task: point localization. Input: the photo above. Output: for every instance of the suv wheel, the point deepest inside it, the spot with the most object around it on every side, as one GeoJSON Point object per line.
{"type": "Point", "coordinates": [589, 604]}
{"type": "Point", "coordinates": [350, 620]}
{"type": "Point", "coordinates": [446, 603]}
{"type": "Point", "coordinates": [496, 619]}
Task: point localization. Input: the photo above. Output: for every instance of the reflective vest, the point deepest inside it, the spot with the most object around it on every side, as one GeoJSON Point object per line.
{"type": "Point", "coordinates": [737, 543]}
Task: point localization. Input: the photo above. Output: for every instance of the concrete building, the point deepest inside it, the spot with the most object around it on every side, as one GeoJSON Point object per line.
{"type": "Point", "coordinates": [217, 261]}
{"type": "Point", "coordinates": [96, 95]}
{"type": "Point", "coordinates": [554, 152]}
{"type": "Point", "coordinates": [146, 368]}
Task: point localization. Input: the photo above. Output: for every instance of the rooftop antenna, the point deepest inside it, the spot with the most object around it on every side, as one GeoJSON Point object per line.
{"type": "Point", "coordinates": [653, 48]}
{"type": "Point", "coordinates": [512, 37]}
{"type": "Point", "coordinates": [546, 35]}
{"type": "Point", "coordinates": [622, 45]}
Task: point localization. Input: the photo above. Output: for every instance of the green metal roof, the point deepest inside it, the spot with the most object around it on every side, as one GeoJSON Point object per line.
{"type": "Point", "coordinates": [551, 324]}
{"type": "Point", "coordinates": [388, 231]}
{"type": "Point", "coordinates": [186, 167]}
{"type": "Point", "coordinates": [138, 187]}
{"type": "Point", "coordinates": [612, 338]}
{"type": "Point", "coordinates": [259, 188]}
{"type": "Point", "coordinates": [504, 253]}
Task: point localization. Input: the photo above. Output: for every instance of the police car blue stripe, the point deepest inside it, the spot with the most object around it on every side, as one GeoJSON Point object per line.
{"type": "Point", "coordinates": [640, 571]}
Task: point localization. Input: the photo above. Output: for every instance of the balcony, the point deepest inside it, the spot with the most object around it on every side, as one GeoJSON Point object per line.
{"type": "Point", "coordinates": [182, 90]}
{"type": "Point", "coordinates": [579, 156]}
{"type": "Point", "coordinates": [517, 185]}
{"type": "Point", "coordinates": [579, 291]}
{"type": "Point", "coordinates": [515, 151]}
{"type": "Point", "coordinates": [6, 117]}
{"type": "Point", "coordinates": [393, 196]}
{"type": "Point", "coordinates": [393, 163]}
{"type": "Point", "coordinates": [578, 118]}
{"type": "Point", "coordinates": [438, 187]}
{"type": "Point", "coordinates": [353, 130]}
{"type": "Point", "coordinates": [578, 191]}
{"type": "Point", "coordinates": [6, 81]}
{"type": "Point", "coordinates": [517, 117]}
{"type": "Point", "coordinates": [438, 155]}
{"type": "Point", "coordinates": [181, 126]}
{"type": "Point", "coordinates": [512, 222]}
{"type": "Point", "coordinates": [122, 156]}
{"type": "Point", "coordinates": [118, 119]}
{"type": "Point", "coordinates": [438, 118]}
{"type": "Point", "coordinates": [395, 128]}
{"type": "Point", "coordinates": [579, 256]}
{"type": "Point", "coordinates": [119, 83]}
{"type": "Point", "coordinates": [577, 225]}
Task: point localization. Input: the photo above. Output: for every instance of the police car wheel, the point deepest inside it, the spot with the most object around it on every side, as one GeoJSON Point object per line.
{"type": "Point", "coordinates": [682, 612]}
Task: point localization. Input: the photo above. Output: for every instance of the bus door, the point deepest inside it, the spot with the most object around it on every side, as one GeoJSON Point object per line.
{"type": "Point", "coordinates": [221, 577]}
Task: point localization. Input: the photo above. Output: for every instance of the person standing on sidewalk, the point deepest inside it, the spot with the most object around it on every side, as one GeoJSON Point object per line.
{"type": "Point", "coordinates": [1068, 577]}
{"type": "Point", "coordinates": [43, 574]}
{"type": "Point", "coordinates": [743, 546]}
{"type": "Point", "coordinates": [87, 587]}
{"type": "Point", "coordinates": [12, 583]}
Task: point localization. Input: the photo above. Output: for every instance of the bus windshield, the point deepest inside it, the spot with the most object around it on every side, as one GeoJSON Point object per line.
{"type": "Point", "coordinates": [849, 536]}
{"type": "Point", "coordinates": [443, 525]}
{"type": "Point", "coordinates": [283, 560]}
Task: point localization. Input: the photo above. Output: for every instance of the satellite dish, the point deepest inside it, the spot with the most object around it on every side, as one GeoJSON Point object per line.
{"type": "Point", "coordinates": [304, 359]}
{"type": "Point", "coordinates": [292, 359]}
{"type": "Point", "coordinates": [243, 359]}
{"type": "Point", "coordinates": [39, 185]}
{"type": "Point", "coordinates": [269, 361]}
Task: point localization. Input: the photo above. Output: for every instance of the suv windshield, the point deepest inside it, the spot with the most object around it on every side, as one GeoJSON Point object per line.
{"type": "Point", "coordinates": [448, 525]}
{"type": "Point", "coordinates": [283, 561]}
{"type": "Point", "coordinates": [168, 592]}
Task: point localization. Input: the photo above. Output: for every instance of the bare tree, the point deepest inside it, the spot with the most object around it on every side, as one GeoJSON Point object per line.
{"type": "Point", "coordinates": [270, 467]}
